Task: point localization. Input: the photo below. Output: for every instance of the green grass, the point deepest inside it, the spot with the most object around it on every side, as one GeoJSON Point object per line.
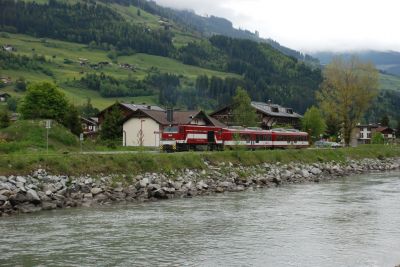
{"type": "Point", "coordinates": [76, 164]}
{"type": "Point", "coordinates": [29, 136]}
{"type": "Point", "coordinates": [389, 82]}
{"type": "Point", "coordinates": [56, 51]}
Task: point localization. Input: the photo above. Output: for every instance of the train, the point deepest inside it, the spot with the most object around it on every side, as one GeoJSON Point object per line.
{"type": "Point", "coordinates": [195, 137]}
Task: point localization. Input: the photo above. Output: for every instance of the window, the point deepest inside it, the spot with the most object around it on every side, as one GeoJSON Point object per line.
{"type": "Point", "coordinates": [275, 109]}
{"type": "Point", "coordinates": [171, 130]}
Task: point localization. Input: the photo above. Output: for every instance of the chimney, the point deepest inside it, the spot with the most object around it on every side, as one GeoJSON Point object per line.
{"type": "Point", "coordinates": [269, 102]}
{"type": "Point", "coordinates": [170, 114]}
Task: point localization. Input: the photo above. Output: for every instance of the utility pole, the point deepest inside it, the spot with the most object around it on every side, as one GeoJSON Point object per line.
{"type": "Point", "coordinates": [81, 140]}
{"type": "Point", "coordinates": [48, 126]}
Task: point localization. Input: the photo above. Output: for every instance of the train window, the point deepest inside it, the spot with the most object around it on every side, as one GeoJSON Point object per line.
{"type": "Point", "coordinates": [258, 138]}
{"type": "Point", "coordinates": [245, 137]}
{"type": "Point", "coordinates": [171, 130]}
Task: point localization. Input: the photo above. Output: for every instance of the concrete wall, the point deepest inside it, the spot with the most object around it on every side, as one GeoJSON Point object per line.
{"type": "Point", "coordinates": [131, 130]}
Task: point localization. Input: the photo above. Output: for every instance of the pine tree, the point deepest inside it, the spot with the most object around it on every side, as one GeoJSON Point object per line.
{"type": "Point", "coordinates": [243, 113]}
{"type": "Point", "coordinates": [72, 121]}
{"type": "Point", "coordinates": [4, 119]}
{"type": "Point", "coordinates": [385, 120]}
{"type": "Point", "coordinates": [111, 128]}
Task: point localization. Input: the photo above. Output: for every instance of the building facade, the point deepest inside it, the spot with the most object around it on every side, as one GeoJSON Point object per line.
{"type": "Point", "coordinates": [362, 134]}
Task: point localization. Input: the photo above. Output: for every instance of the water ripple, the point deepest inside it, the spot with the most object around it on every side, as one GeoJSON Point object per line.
{"type": "Point", "coordinates": [350, 222]}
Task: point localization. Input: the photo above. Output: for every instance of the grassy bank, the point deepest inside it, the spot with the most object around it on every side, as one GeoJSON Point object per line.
{"type": "Point", "coordinates": [75, 163]}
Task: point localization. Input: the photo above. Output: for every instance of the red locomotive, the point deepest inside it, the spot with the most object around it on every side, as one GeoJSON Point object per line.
{"type": "Point", "coordinates": [194, 137]}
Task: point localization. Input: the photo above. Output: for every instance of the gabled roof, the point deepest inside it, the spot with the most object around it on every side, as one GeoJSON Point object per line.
{"type": "Point", "coordinates": [384, 128]}
{"type": "Point", "coordinates": [135, 107]}
{"type": "Point", "coordinates": [130, 108]}
{"type": "Point", "coordinates": [179, 117]}
{"type": "Point", "coordinates": [367, 125]}
{"type": "Point", "coordinates": [272, 110]}
{"type": "Point", "coordinates": [89, 121]}
{"type": "Point", "coordinates": [275, 110]}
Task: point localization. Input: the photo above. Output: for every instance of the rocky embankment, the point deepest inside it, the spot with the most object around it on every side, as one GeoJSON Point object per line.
{"type": "Point", "coordinates": [42, 191]}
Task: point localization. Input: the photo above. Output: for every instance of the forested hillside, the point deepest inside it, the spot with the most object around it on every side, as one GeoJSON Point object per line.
{"type": "Point", "coordinates": [122, 40]}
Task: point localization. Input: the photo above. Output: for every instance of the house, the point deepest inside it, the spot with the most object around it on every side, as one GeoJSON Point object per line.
{"type": "Point", "coordinates": [6, 80]}
{"type": "Point", "coordinates": [8, 48]}
{"type": "Point", "coordinates": [126, 110]}
{"type": "Point", "coordinates": [4, 97]}
{"type": "Point", "coordinates": [127, 66]}
{"type": "Point", "coordinates": [83, 61]}
{"type": "Point", "coordinates": [362, 134]}
{"type": "Point", "coordinates": [269, 115]}
{"type": "Point", "coordinates": [388, 133]}
{"type": "Point", "coordinates": [90, 126]}
{"type": "Point", "coordinates": [144, 126]}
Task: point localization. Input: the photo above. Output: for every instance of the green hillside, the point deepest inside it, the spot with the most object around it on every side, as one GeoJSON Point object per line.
{"type": "Point", "coordinates": [57, 52]}
{"type": "Point", "coordinates": [163, 58]}
{"type": "Point", "coordinates": [389, 82]}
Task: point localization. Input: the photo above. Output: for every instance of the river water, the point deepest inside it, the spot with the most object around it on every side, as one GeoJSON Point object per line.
{"type": "Point", "coordinates": [348, 222]}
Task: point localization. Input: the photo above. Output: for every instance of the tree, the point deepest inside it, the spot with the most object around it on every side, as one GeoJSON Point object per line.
{"type": "Point", "coordinates": [4, 119]}
{"type": "Point", "coordinates": [111, 128]}
{"type": "Point", "coordinates": [87, 110]}
{"type": "Point", "coordinates": [385, 121]}
{"type": "Point", "coordinates": [243, 113]}
{"type": "Point", "coordinates": [348, 89]}
{"type": "Point", "coordinates": [20, 84]}
{"type": "Point", "coordinates": [377, 138]}
{"type": "Point", "coordinates": [313, 122]}
{"type": "Point", "coordinates": [12, 104]}
{"type": "Point", "coordinates": [71, 120]}
{"type": "Point", "coordinates": [44, 101]}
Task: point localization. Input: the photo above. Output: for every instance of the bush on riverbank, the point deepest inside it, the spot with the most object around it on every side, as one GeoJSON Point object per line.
{"type": "Point", "coordinates": [73, 164]}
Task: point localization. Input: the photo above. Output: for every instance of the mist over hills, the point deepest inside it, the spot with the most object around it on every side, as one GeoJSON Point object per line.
{"type": "Point", "coordinates": [385, 61]}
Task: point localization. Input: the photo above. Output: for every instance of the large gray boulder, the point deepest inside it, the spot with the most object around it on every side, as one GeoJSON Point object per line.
{"type": "Point", "coordinates": [316, 171]}
{"type": "Point", "coordinates": [144, 182]}
{"type": "Point", "coordinates": [21, 179]}
{"type": "Point", "coordinates": [32, 196]}
{"type": "Point", "coordinates": [201, 185]}
{"type": "Point", "coordinates": [96, 190]}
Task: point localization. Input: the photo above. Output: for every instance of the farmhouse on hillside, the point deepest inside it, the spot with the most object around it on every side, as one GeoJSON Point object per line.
{"type": "Point", "coordinates": [144, 126]}
{"type": "Point", "coordinates": [4, 97]}
{"type": "Point", "coordinates": [269, 115]}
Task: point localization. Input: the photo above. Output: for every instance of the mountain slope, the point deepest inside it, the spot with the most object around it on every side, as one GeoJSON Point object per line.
{"type": "Point", "coordinates": [124, 51]}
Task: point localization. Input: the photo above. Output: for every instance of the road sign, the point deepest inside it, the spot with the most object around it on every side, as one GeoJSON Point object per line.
{"type": "Point", "coordinates": [81, 137]}
{"type": "Point", "coordinates": [48, 124]}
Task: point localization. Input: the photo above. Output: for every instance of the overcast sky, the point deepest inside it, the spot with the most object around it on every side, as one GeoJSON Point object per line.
{"type": "Point", "coordinates": [309, 25]}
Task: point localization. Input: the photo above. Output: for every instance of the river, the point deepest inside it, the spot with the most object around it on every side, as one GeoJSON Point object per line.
{"type": "Point", "coordinates": [352, 221]}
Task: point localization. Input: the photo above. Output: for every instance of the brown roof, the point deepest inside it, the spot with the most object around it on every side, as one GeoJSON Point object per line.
{"type": "Point", "coordinates": [384, 128]}
{"type": "Point", "coordinates": [179, 117]}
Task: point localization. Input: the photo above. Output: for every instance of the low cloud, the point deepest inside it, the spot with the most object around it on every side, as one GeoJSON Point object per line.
{"type": "Point", "coordinates": [310, 25]}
